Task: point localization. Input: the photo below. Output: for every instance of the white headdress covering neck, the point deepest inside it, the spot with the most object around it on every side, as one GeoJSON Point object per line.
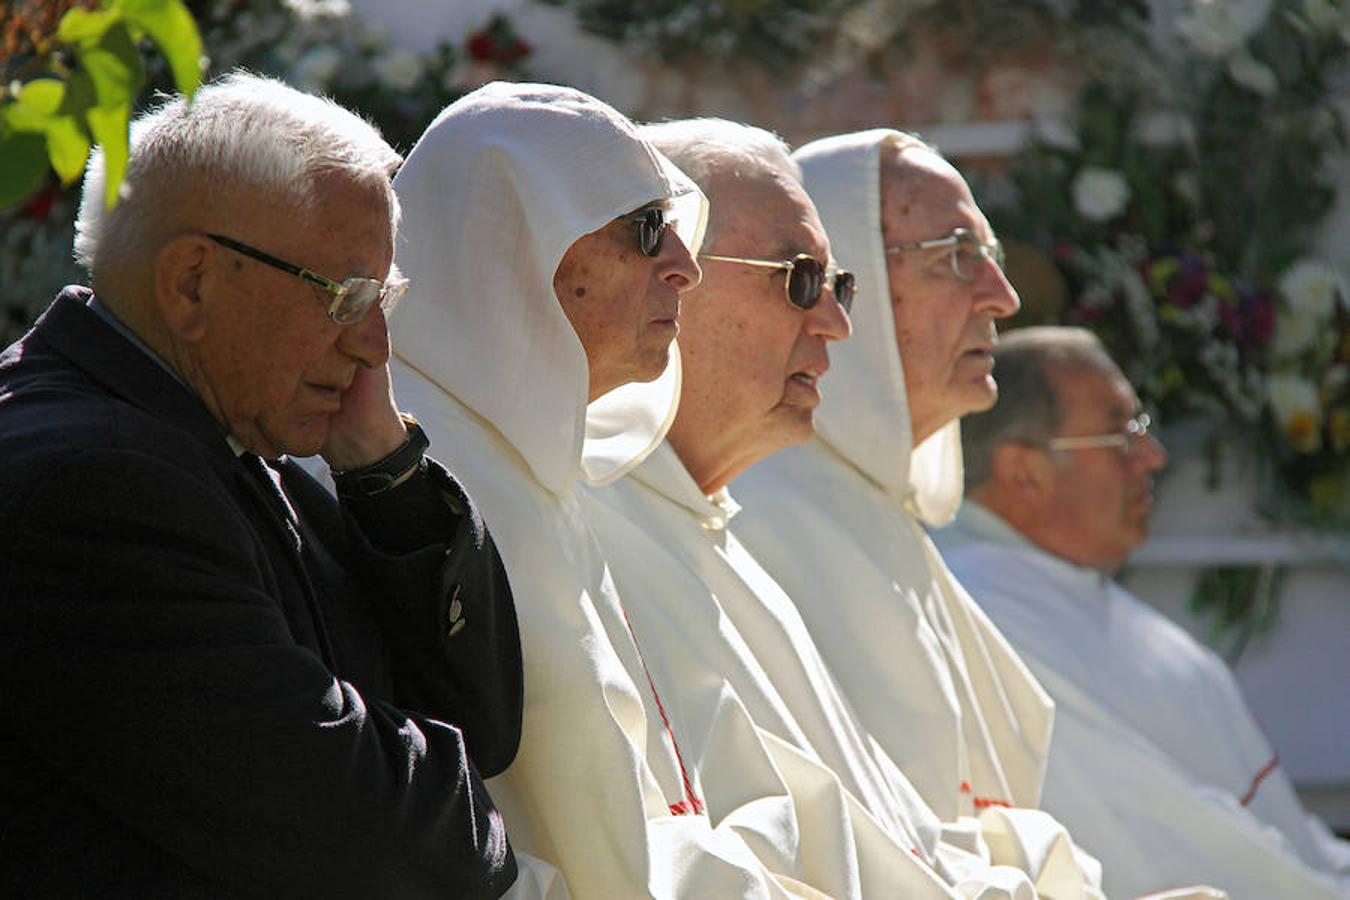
{"type": "Point", "coordinates": [865, 413]}
{"type": "Point", "coordinates": [502, 183]}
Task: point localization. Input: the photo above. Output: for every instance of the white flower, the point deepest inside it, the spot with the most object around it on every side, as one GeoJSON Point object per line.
{"type": "Point", "coordinates": [1294, 403]}
{"type": "Point", "coordinates": [1164, 129]}
{"type": "Point", "coordinates": [315, 71]}
{"type": "Point", "coordinates": [1252, 74]}
{"type": "Point", "coordinates": [1311, 287]}
{"type": "Point", "coordinates": [1294, 333]}
{"type": "Point", "coordinates": [1218, 27]}
{"type": "Point", "coordinates": [1099, 194]}
{"type": "Point", "coordinates": [317, 9]}
{"type": "Point", "coordinates": [398, 70]}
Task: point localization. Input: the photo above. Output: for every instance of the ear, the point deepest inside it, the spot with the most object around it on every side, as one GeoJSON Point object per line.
{"type": "Point", "coordinates": [1024, 473]}
{"type": "Point", "coordinates": [180, 270]}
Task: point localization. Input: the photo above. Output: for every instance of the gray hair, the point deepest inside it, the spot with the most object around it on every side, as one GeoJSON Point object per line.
{"type": "Point", "coordinates": [705, 148]}
{"type": "Point", "coordinates": [242, 132]}
{"type": "Point", "coordinates": [1028, 407]}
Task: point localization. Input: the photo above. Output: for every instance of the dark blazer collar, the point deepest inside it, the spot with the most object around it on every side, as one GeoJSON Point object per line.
{"type": "Point", "coordinates": [76, 332]}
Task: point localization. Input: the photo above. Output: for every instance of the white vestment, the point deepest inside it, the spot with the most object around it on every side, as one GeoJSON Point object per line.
{"type": "Point", "coordinates": [495, 192]}
{"type": "Point", "coordinates": [706, 612]}
{"type": "Point", "coordinates": [837, 523]}
{"type": "Point", "coordinates": [1156, 758]}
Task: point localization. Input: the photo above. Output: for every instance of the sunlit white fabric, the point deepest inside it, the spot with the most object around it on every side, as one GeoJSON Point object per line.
{"type": "Point", "coordinates": [837, 522]}
{"type": "Point", "coordinates": [708, 613]}
{"type": "Point", "coordinates": [1154, 748]}
{"type": "Point", "coordinates": [501, 184]}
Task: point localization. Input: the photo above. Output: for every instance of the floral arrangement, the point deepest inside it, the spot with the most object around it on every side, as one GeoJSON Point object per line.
{"type": "Point", "coordinates": [315, 45]}
{"type": "Point", "coordinates": [1179, 218]}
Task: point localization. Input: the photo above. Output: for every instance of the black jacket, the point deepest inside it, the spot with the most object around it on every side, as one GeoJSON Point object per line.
{"type": "Point", "coordinates": [202, 697]}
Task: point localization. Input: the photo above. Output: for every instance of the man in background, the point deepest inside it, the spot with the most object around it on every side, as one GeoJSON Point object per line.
{"type": "Point", "coordinates": [1156, 759]}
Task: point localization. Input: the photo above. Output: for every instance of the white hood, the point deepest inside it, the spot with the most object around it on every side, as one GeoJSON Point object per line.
{"type": "Point", "coordinates": [510, 176]}
{"type": "Point", "coordinates": [865, 413]}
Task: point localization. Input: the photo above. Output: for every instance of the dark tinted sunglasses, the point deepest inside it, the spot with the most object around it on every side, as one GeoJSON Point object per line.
{"type": "Point", "coordinates": [651, 228]}
{"type": "Point", "coordinates": [806, 278]}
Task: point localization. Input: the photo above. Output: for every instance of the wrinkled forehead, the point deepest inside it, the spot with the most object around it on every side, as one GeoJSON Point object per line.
{"type": "Point", "coordinates": [766, 216]}
{"type": "Point", "coordinates": [924, 197]}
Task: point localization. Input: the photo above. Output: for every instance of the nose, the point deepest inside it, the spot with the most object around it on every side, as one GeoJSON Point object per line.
{"type": "Point", "coordinates": [1150, 453]}
{"type": "Point", "coordinates": [827, 318]}
{"type": "Point", "coordinates": [366, 341]}
{"type": "Point", "coordinates": [677, 264]}
{"type": "Point", "coordinates": [994, 293]}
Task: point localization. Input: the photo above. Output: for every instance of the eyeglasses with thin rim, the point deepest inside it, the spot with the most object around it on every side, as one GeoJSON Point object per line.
{"type": "Point", "coordinates": [1125, 441]}
{"type": "Point", "coordinates": [965, 251]}
{"type": "Point", "coordinates": [651, 228]}
{"type": "Point", "coordinates": [352, 297]}
{"type": "Point", "coordinates": [806, 279]}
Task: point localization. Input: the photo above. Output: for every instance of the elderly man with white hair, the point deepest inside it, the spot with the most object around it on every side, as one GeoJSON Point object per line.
{"type": "Point", "coordinates": [219, 681]}
{"type": "Point", "coordinates": [1156, 758]}
{"type": "Point", "coordinates": [550, 247]}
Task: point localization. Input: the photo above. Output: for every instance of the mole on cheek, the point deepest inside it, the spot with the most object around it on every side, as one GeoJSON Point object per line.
{"type": "Point", "coordinates": [580, 292]}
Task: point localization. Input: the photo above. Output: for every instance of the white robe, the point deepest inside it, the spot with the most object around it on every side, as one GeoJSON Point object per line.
{"type": "Point", "coordinates": [501, 184]}
{"type": "Point", "coordinates": [703, 607]}
{"type": "Point", "coordinates": [837, 523]}
{"type": "Point", "coordinates": [1155, 750]}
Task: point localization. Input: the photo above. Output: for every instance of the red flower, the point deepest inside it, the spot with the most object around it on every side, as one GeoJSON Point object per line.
{"type": "Point", "coordinates": [39, 206]}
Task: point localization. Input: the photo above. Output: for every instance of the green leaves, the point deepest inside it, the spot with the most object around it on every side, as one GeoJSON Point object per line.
{"type": "Point", "coordinates": [170, 26]}
{"type": "Point", "coordinates": [54, 119]}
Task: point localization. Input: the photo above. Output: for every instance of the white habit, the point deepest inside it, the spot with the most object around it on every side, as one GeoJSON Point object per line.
{"type": "Point", "coordinates": [495, 192]}
{"type": "Point", "coordinates": [706, 612]}
{"type": "Point", "coordinates": [1156, 758]}
{"type": "Point", "coordinates": [837, 522]}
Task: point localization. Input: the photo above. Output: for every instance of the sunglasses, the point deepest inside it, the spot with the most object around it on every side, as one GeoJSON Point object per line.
{"type": "Point", "coordinates": [965, 252]}
{"type": "Point", "coordinates": [806, 278]}
{"type": "Point", "coordinates": [1126, 441]}
{"type": "Point", "coordinates": [651, 228]}
{"type": "Point", "coordinates": [352, 297]}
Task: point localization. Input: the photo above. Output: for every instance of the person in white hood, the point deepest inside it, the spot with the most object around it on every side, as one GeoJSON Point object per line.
{"type": "Point", "coordinates": [838, 521]}
{"type": "Point", "coordinates": [754, 340]}
{"type": "Point", "coordinates": [548, 247]}
{"type": "Point", "coordinates": [1156, 759]}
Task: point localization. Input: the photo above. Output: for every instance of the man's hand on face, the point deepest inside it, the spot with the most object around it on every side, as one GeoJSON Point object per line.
{"type": "Point", "coordinates": [368, 427]}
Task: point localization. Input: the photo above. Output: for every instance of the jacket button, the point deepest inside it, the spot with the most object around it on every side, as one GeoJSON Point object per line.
{"type": "Point", "coordinates": [456, 614]}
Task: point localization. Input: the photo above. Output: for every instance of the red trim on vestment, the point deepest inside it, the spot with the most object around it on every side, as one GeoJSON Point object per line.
{"type": "Point", "coordinates": [983, 802]}
{"type": "Point", "coordinates": [692, 805]}
{"type": "Point", "coordinates": [1260, 777]}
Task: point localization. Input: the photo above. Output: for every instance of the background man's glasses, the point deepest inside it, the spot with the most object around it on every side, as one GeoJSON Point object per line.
{"type": "Point", "coordinates": [965, 252]}
{"type": "Point", "coordinates": [352, 297]}
{"type": "Point", "coordinates": [1126, 441]}
{"type": "Point", "coordinates": [806, 278]}
{"type": "Point", "coordinates": [651, 228]}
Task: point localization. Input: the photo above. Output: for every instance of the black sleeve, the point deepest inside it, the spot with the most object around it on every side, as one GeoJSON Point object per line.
{"type": "Point", "coordinates": [440, 594]}
{"type": "Point", "coordinates": [143, 657]}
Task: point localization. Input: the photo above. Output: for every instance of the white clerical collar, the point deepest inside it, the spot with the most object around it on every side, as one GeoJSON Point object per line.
{"type": "Point", "coordinates": [983, 524]}
{"type": "Point", "coordinates": [665, 473]}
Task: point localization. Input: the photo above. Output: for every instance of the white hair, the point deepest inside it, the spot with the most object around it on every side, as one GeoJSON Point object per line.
{"type": "Point", "coordinates": [242, 132]}
{"type": "Point", "coordinates": [707, 146]}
